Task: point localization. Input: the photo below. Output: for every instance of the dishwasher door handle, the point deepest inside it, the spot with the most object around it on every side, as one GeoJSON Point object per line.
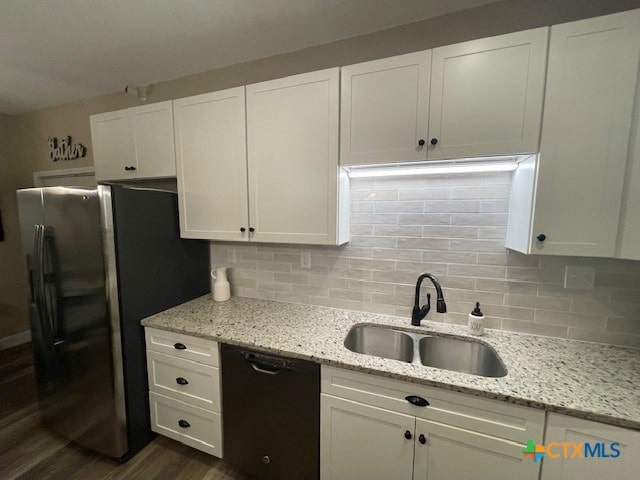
{"type": "Point", "coordinates": [262, 370]}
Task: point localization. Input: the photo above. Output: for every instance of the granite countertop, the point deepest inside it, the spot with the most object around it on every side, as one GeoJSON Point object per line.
{"type": "Point", "coordinates": [589, 380]}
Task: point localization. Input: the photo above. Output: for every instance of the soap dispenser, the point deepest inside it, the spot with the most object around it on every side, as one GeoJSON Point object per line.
{"type": "Point", "coordinates": [476, 321]}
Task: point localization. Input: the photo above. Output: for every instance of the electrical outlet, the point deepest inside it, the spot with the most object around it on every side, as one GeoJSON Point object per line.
{"type": "Point", "coordinates": [305, 260]}
{"type": "Point", "coordinates": [231, 255]}
{"type": "Point", "coordinates": [580, 278]}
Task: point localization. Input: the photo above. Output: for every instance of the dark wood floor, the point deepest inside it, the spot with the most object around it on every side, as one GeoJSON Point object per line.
{"type": "Point", "coordinates": [30, 452]}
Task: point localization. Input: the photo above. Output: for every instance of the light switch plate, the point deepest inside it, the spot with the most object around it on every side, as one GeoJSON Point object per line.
{"type": "Point", "coordinates": [579, 278]}
{"type": "Point", "coordinates": [305, 260]}
{"type": "Point", "coordinates": [231, 255]}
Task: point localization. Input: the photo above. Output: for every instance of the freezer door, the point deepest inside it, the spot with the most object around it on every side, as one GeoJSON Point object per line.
{"type": "Point", "coordinates": [31, 230]}
{"type": "Point", "coordinates": [78, 391]}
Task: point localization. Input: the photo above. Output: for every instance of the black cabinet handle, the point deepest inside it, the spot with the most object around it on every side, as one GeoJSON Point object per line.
{"type": "Point", "coordinates": [181, 381]}
{"type": "Point", "coordinates": [184, 423]}
{"type": "Point", "coordinates": [417, 401]}
{"type": "Point", "coordinates": [421, 142]}
{"type": "Point", "coordinates": [407, 434]}
{"type": "Point", "coordinates": [542, 237]}
{"type": "Point", "coordinates": [129, 168]}
{"type": "Point", "coordinates": [251, 229]}
{"type": "Point", "coordinates": [434, 141]}
{"type": "Point", "coordinates": [422, 439]}
{"type": "Point", "coordinates": [179, 346]}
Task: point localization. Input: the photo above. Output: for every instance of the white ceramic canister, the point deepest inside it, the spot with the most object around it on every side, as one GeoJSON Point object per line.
{"type": "Point", "coordinates": [220, 287]}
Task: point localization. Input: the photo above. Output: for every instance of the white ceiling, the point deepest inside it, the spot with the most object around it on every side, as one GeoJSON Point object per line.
{"type": "Point", "coordinates": [53, 52]}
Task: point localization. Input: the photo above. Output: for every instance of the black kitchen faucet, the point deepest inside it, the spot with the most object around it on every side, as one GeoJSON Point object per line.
{"type": "Point", "coordinates": [420, 312]}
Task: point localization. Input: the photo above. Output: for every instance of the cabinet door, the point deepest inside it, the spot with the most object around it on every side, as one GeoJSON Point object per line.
{"type": "Point", "coordinates": [561, 428]}
{"type": "Point", "coordinates": [453, 452]}
{"type": "Point", "coordinates": [153, 137]}
{"type": "Point", "coordinates": [591, 82]}
{"type": "Point", "coordinates": [628, 245]}
{"type": "Point", "coordinates": [629, 239]}
{"type": "Point", "coordinates": [361, 442]}
{"type": "Point", "coordinates": [112, 144]}
{"type": "Point", "coordinates": [292, 142]}
{"type": "Point", "coordinates": [211, 165]}
{"type": "Point", "coordinates": [384, 110]}
{"type": "Point", "coordinates": [486, 96]}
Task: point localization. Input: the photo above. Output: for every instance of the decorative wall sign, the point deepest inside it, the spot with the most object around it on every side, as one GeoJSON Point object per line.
{"type": "Point", "coordinates": [66, 150]}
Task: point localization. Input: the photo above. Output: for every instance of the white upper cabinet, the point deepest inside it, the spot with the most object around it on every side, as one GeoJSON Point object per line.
{"type": "Point", "coordinates": [384, 110]}
{"type": "Point", "coordinates": [292, 146]}
{"type": "Point", "coordinates": [486, 96]}
{"type": "Point", "coordinates": [135, 143]}
{"type": "Point", "coordinates": [621, 462]}
{"type": "Point", "coordinates": [591, 83]}
{"type": "Point", "coordinates": [152, 127]}
{"type": "Point", "coordinates": [629, 232]}
{"type": "Point", "coordinates": [212, 165]}
{"type": "Point", "coordinates": [113, 146]}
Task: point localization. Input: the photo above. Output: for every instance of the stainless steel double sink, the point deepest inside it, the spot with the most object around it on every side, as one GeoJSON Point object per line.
{"type": "Point", "coordinates": [431, 350]}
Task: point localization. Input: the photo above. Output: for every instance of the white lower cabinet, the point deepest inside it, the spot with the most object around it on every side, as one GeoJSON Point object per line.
{"type": "Point", "coordinates": [184, 389]}
{"type": "Point", "coordinates": [193, 426]}
{"type": "Point", "coordinates": [359, 441]}
{"type": "Point", "coordinates": [614, 450]}
{"type": "Point", "coordinates": [444, 452]}
{"type": "Point", "coordinates": [369, 430]}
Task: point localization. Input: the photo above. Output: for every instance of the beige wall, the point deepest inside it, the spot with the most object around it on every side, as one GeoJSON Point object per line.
{"type": "Point", "coordinates": [13, 315]}
{"type": "Point", "coordinates": [34, 128]}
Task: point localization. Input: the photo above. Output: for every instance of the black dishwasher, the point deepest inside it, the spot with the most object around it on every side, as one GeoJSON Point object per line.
{"type": "Point", "coordinates": [271, 414]}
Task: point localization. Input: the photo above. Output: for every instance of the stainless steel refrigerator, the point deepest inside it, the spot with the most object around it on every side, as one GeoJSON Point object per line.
{"type": "Point", "coordinates": [98, 261]}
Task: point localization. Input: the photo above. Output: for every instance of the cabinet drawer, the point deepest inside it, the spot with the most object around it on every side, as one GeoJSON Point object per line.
{"type": "Point", "coordinates": [184, 380]}
{"type": "Point", "coordinates": [183, 346]}
{"type": "Point", "coordinates": [202, 430]}
{"type": "Point", "coordinates": [474, 414]}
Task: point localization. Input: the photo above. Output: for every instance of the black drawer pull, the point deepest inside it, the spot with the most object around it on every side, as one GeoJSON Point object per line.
{"type": "Point", "coordinates": [417, 401]}
{"type": "Point", "coordinates": [184, 423]}
{"type": "Point", "coordinates": [407, 435]}
{"type": "Point", "coordinates": [181, 381]}
{"type": "Point", "coordinates": [422, 439]}
{"type": "Point", "coordinates": [179, 346]}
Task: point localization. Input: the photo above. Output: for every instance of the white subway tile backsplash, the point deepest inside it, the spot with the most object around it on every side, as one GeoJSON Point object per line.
{"type": "Point", "coordinates": [397, 231]}
{"type": "Point", "coordinates": [423, 243]}
{"type": "Point", "coordinates": [390, 254]}
{"type": "Point", "coordinates": [370, 195]}
{"type": "Point", "coordinates": [374, 218]}
{"type": "Point", "coordinates": [455, 227]}
{"type": "Point", "coordinates": [425, 193]}
{"type": "Point", "coordinates": [449, 231]}
{"type": "Point", "coordinates": [484, 192]}
{"type": "Point", "coordinates": [485, 219]}
{"type": "Point", "coordinates": [399, 207]}
{"type": "Point", "coordinates": [371, 241]}
{"type": "Point", "coordinates": [424, 219]}
{"type": "Point", "coordinates": [624, 325]}
{"type": "Point", "coordinates": [477, 245]}
{"type": "Point", "coordinates": [454, 206]}
{"type": "Point", "coordinates": [494, 206]}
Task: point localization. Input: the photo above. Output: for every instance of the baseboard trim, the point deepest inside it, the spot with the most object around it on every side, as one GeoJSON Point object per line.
{"type": "Point", "coordinates": [14, 340]}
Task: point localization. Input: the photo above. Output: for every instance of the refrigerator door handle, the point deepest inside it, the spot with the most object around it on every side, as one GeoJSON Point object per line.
{"type": "Point", "coordinates": [39, 292]}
